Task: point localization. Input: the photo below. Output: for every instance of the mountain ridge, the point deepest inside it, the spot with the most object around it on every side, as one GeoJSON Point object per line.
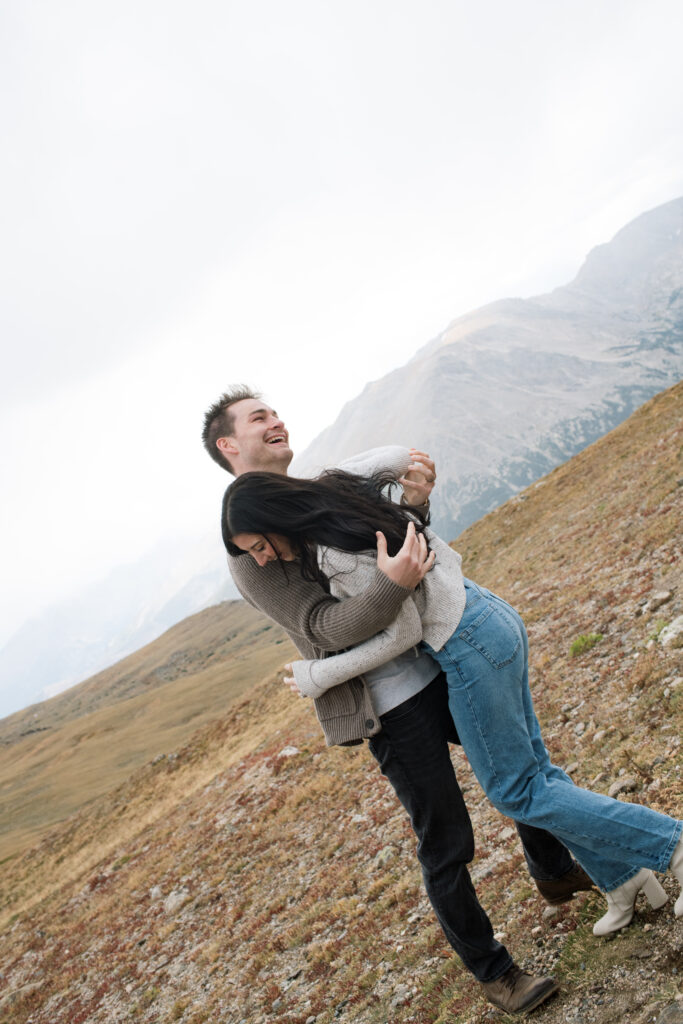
{"type": "Point", "coordinates": [510, 390]}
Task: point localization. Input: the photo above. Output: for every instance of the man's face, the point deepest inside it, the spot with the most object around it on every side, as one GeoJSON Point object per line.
{"type": "Point", "coordinates": [258, 441]}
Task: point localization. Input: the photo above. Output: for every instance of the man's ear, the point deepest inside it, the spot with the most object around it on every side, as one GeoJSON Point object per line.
{"type": "Point", "coordinates": [227, 447]}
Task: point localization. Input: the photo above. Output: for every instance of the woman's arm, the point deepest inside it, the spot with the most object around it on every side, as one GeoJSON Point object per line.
{"type": "Point", "coordinates": [349, 574]}
{"type": "Point", "coordinates": [390, 458]}
{"type": "Point", "coordinates": [314, 677]}
{"type": "Point", "coordinates": [412, 469]}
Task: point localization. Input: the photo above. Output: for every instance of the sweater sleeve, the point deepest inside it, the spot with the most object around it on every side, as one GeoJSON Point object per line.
{"type": "Point", "coordinates": [392, 458]}
{"type": "Point", "coordinates": [311, 616]}
{"type": "Point", "coordinates": [314, 677]}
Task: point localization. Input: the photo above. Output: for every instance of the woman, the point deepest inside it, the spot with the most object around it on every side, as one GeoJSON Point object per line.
{"type": "Point", "coordinates": [328, 528]}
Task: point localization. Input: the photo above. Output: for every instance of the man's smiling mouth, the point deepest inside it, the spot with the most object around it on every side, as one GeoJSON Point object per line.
{"type": "Point", "coordinates": [277, 439]}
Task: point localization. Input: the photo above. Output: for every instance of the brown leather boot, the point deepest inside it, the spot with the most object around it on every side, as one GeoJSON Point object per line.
{"type": "Point", "coordinates": [561, 890]}
{"type": "Point", "coordinates": [519, 992]}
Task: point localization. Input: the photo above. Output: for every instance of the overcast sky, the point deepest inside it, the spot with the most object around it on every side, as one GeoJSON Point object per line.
{"type": "Point", "coordinates": [294, 195]}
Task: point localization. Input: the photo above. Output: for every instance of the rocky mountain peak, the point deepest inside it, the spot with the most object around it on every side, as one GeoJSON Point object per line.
{"type": "Point", "coordinates": [648, 251]}
{"type": "Point", "coordinates": [510, 390]}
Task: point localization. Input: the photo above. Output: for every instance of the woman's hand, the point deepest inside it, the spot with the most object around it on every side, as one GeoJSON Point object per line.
{"type": "Point", "coordinates": [411, 564]}
{"type": "Point", "coordinates": [418, 480]}
{"type": "Point", "coordinates": [290, 681]}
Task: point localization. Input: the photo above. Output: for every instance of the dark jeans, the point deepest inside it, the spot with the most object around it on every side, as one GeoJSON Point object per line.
{"type": "Point", "coordinates": [412, 751]}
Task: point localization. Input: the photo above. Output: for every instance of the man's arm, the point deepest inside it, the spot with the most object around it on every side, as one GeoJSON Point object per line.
{"type": "Point", "coordinates": [308, 612]}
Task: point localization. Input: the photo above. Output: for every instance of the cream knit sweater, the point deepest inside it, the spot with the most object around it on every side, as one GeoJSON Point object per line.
{"type": "Point", "coordinates": [430, 613]}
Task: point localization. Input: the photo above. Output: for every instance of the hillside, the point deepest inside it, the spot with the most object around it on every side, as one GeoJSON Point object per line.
{"type": "Point", "coordinates": [257, 876]}
{"type": "Point", "coordinates": [58, 755]}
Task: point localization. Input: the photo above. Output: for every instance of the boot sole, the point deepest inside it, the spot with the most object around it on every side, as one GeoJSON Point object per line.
{"type": "Point", "coordinates": [559, 900]}
{"type": "Point", "coordinates": [552, 990]}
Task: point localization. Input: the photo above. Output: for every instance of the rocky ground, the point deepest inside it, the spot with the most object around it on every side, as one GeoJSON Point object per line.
{"type": "Point", "coordinates": [286, 890]}
{"type": "Point", "coordinates": [256, 877]}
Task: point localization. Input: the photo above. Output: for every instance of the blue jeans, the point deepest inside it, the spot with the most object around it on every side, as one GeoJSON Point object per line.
{"type": "Point", "coordinates": [486, 663]}
{"type": "Point", "coordinates": [412, 751]}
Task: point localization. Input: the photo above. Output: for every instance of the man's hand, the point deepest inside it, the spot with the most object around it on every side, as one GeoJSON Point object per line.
{"type": "Point", "coordinates": [290, 681]}
{"type": "Point", "coordinates": [418, 481]}
{"type": "Point", "coordinates": [411, 564]}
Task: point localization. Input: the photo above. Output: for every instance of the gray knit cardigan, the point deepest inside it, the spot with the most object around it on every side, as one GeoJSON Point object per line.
{"type": "Point", "coordinates": [319, 623]}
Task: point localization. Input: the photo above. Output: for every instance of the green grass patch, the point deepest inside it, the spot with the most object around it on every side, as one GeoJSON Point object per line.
{"type": "Point", "coordinates": [583, 643]}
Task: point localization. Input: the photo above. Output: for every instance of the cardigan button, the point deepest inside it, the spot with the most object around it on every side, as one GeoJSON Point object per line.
{"type": "Point", "coordinates": [370, 723]}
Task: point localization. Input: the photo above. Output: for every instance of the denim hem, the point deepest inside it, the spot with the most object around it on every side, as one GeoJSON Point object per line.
{"type": "Point", "coordinates": [661, 866]}
{"type": "Point", "coordinates": [621, 880]}
{"type": "Point", "coordinates": [666, 857]}
{"type": "Point", "coordinates": [499, 974]}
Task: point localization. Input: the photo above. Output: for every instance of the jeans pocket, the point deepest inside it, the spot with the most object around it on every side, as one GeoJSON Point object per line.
{"type": "Point", "coordinates": [494, 635]}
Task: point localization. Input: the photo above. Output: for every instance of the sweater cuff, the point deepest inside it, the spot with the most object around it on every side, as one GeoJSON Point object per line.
{"type": "Point", "coordinates": [387, 594]}
{"type": "Point", "coordinates": [424, 506]}
{"type": "Point", "coordinates": [303, 676]}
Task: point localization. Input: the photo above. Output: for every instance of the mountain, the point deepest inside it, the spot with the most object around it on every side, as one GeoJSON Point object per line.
{"type": "Point", "coordinates": [247, 873]}
{"type": "Point", "coordinates": [509, 391]}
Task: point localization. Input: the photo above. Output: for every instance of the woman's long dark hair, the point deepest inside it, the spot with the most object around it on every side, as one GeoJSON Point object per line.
{"type": "Point", "coordinates": [338, 509]}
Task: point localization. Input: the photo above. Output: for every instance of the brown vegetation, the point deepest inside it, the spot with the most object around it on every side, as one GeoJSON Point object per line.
{"type": "Point", "coordinates": [241, 881]}
{"type": "Point", "coordinates": [57, 756]}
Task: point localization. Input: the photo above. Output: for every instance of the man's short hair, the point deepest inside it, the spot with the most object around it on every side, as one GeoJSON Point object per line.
{"type": "Point", "coordinates": [220, 422]}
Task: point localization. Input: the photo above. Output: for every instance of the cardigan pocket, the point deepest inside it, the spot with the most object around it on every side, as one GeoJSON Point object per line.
{"type": "Point", "coordinates": [340, 701]}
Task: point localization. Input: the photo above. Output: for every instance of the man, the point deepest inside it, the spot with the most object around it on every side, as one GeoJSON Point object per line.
{"type": "Point", "coordinates": [409, 731]}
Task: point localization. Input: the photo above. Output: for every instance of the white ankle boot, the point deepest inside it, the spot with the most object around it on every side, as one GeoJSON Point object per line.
{"type": "Point", "coordinates": [621, 901]}
{"type": "Point", "coordinates": [676, 868]}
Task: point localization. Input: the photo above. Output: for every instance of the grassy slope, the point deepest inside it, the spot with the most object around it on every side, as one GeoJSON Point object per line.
{"type": "Point", "coordinates": [233, 883]}
{"type": "Point", "coordinates": [58, 755]}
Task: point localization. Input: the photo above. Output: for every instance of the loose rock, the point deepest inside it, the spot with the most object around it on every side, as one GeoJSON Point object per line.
{"type": "Point", "coordinates": [657, 600]}
{"type": "Point", "coordinates": [175, 900]}
{"type": "Point", "coordinates": [627, 784]}
{"type": "Point", "coordinates": [385, 857]}
{"type": "Point", "coordinates": [671, 632]}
